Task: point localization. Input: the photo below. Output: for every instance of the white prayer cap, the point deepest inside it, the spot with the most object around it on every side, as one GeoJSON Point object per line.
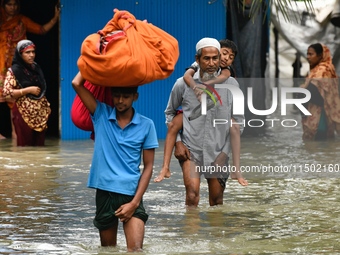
{"type": "Point", "coordinates": [208, 42]}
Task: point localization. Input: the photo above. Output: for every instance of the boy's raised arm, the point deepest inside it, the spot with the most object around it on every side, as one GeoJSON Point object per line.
{"type": "Point", "coordinates": [85, 95]}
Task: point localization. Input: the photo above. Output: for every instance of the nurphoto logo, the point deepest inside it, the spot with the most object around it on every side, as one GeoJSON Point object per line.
{"type": "Point", "coordinates": [239, 103]}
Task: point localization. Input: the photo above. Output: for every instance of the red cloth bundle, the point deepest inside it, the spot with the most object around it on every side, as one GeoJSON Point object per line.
{"type": "Point", "coordinates": [80, 115]}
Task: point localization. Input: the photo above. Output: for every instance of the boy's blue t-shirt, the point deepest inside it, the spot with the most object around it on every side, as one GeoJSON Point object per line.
{"type": "Point", "coordinates": [117, 152]}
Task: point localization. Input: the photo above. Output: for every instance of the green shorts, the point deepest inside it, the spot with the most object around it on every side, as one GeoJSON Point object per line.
{"type": "Point", "coordinates": [106, 205]}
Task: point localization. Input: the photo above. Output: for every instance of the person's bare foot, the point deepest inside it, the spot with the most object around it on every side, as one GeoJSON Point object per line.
{"type": "Point", "coordinates": [2, 137]}
{"type": "Point", "coordinates": [238, 176]}
{"type": "Point", "coordinates": [164, 173]}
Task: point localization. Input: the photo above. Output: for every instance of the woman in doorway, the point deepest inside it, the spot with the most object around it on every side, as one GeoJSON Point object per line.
{"type": "Point", "coordinates": [13, 28]}
{"type": "Point", "coordinates": [324, 104]}
{"type": "Point", "coordinates": [25, 83]}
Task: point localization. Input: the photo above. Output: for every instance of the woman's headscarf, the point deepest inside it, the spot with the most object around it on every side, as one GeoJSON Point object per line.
{"type": "Point", "coordinates": [27, 74]}
{"type": "Point", "coordinates": [325, 68]}
{"type": "Point", "coordinates": [323, 75]}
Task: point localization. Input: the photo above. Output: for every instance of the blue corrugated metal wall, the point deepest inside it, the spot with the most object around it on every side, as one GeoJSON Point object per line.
{"type": "Point", "coordinates": [186, 20]}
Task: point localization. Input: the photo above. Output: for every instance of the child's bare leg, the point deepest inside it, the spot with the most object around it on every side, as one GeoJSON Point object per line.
{"type": "Point", "coordinates": [235, 141]}
{"type": "Point", "coordinates": [173, 128]}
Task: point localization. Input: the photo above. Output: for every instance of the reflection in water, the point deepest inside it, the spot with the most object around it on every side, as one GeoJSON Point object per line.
{"type": "Point", "coordinates": [45, 207]}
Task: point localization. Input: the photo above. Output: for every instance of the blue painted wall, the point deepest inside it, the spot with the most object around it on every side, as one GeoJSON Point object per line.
{"type": "Point", "coordinates": [186, 20]}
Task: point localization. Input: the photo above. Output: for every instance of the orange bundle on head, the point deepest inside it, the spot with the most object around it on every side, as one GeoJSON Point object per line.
{"type": "Point", "coordinates": [127, 52]}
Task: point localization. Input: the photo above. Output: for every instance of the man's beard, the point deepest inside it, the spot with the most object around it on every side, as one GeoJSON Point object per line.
{"type": "Point", "coordinates": [209, 76]}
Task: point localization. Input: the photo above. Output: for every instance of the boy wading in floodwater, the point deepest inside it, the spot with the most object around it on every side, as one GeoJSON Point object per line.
{"type": "Point", "coordinates": [122, 136]}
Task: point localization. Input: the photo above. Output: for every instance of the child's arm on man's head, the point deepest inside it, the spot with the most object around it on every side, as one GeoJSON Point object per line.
{"type": "Point", "coordinates": [85, 95]}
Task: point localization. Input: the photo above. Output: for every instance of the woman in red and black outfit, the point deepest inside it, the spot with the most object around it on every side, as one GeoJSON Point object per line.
{"type": "Point", "coordinates": [25, 83]}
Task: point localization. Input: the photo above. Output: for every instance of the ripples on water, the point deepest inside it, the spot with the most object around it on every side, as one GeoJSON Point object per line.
{"type": "Point", "coordinates": [45, 207]}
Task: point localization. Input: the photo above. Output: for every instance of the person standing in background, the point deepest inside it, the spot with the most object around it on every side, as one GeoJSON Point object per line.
{"type": "Point", "coordinates": [13, 28]}
{"type": "Point", "coordinates": [324, 105]}
{"type": "Point", "coordinates": [25, 84]}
